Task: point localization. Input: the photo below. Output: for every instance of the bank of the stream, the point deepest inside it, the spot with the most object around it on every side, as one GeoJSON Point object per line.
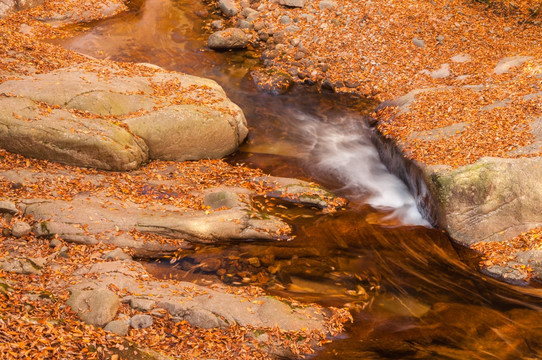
{"type": "Point", "coordinates": [423, 301]}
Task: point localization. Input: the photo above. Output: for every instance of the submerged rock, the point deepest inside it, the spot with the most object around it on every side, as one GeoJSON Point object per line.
{"type": "Point", "coordinates": [274, 83]}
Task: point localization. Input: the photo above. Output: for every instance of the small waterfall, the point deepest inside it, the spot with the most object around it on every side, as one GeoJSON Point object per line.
{"type": "Point", "coordinates": [344, 148]}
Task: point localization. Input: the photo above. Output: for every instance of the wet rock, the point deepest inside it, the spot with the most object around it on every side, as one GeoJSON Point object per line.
{"type": "Point", "coordinates": [141, 321]}
{"type": "Point", "coordinates": [116, 254]}
{"type": "Point", "coordinates": [20, 229]}
{"type": "Point", "coordinates": [292, 3]}
{"type": "Point", "coordinates": [506, 274]}
{"type": "Point", "coordinates": [119, 327]}
{"type": "Point", "coordinates": [94, 306]}
{"type": "Point", "coordinates": [328, 85]}
{"type": "Point", "coordinates": [231, 38]}
{"type": "Point", "coordinates": [228, 7]}
{"type": "Point", "coordinates": [202, 13]}
{"type": "Point", "coordinates": [272, 83]}
{"type": "Point", "coordinates": [8, 207]}
{"type": "Point", "coordinates": [142, 304]}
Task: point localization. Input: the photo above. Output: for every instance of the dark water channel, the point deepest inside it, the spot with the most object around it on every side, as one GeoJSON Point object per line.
{"type": "Point", "coordinates": [411, 292]}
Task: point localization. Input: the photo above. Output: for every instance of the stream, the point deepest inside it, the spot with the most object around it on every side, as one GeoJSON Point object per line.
{"type": "Point", "coordinates": [413, 293]}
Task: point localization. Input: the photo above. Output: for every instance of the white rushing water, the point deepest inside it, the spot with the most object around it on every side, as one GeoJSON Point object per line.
{"type": "Point", "coordinates": [343, 148]}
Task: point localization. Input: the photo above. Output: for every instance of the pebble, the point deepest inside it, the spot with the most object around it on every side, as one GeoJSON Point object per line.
{"type": "Point", "coordinates": [55, 243]}
{"type": "Point", "coordinates": [217, 25]}
{"type": "Point", "coordinates": [418, 42]}
{"type": "Point", "coordinates": [285, 19]}
{"type": "Point", "coordinates": [299, 55]}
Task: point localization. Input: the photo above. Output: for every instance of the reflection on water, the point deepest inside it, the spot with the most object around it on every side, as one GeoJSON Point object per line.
{"type": "Point", "coordinates": [412, 296]}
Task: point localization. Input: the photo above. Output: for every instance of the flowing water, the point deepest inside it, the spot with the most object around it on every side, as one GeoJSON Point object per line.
{"type": "Point", "coordinates": [412, 292]}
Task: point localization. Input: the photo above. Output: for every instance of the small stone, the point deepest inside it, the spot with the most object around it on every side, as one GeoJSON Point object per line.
{"type": "Point", "coordinates": [119, 327]}
{"type": "Point", "coordinates": [269, 54]}
{"type": "Point", "coordinates": [201, 13]}
{"type": "Point", "coordinates": [243, 24]}
{"type": "Point", "coordinates": [259, 25]}
{"type": "Point", "coordinates": [418, 42]}
{"type": "Point", "coordinates": [8, 207]}
{"type": "Point", "coordinates": [116, 254]}
{"type": "Point", "coordinates": [285, 19]}
{"type": "Point", "coordinates": [141, 321]}
{"type": "Point", "coordinates": [440, 39]}
{"type": "Point", "coordinates": [231, 38]}
{"type": "Point", "coordinates": [327, 4]}
{"type": "Point", "coordinates": [351, 84]}
{"type": "Point", "coordinates": [228, 7]}
{"type": "Point", "coordinates": [291, 28]}
{"type": "Point", "coordinates": [299, 55]}
{"type": "Point", "coordinates": [292, 3]}
{"type": "Point", "coordinates": [142, 304]}
{"type": "Point", "coordinates": [328, 85]}
{"type": "Point", "coordinates": [20, 229]}
{"type": "Point", "coordinates": [254, 261]}
{"type": "Point", "coordinates": [55, 243]}
{"type": "Point", "coordinates": [217, 25]}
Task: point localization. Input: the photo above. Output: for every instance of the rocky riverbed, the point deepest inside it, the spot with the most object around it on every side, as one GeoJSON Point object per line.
{"type": "Point", "coordinates": [94, 175]}
{"type": "Point", "coordinates": [459, 84]}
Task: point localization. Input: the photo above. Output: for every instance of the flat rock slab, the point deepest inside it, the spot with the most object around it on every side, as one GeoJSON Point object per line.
{"type": "Point", "coordinates": [78, 116]}
{"type": "Point", "coordinates": [88, 222]}
{"type": "Point", "coordinates": [201, 306]}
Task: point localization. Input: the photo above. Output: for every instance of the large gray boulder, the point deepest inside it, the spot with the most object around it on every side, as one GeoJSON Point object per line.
{"type": "Point", "coordinates": [119, 121]}
{"type": "Point", "coordinates": [491, 200]}
{"type": "Point", "coordinates": [64, 137]}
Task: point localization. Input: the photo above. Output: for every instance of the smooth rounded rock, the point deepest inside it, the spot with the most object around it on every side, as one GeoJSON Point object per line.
{"type": "Point", "coordinates": [231, 38]}
{"type": "Point", "coordinates": [141, 321]}
{"type": "Point", "coordinates": [20, 229]}
{"type": "Point", "coordinates": [95, 306]}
